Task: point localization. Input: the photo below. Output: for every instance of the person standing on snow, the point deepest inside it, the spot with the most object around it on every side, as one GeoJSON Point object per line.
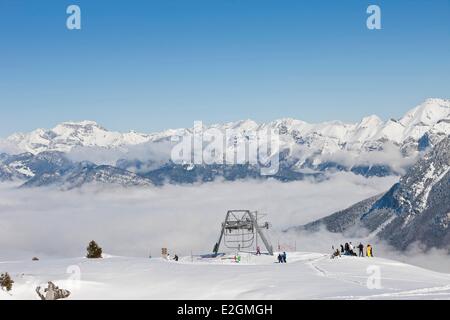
{"type": "Point", "coordinates": [280, 258]}
{"type": "Point", "coordinates": [350, 249]}
{"type": "Point", "coordinates": [284, 257]}
{"type": "Point", "coordinates": [342, 249]}
{"type": "Point", "coordinates": [346, 248]}
{"type": "Point", "coordinates": [361, 249]}
{"type": "Point", "coordinates": [258, 251]}
{"type": "Point", "coordinates": [369, 250]}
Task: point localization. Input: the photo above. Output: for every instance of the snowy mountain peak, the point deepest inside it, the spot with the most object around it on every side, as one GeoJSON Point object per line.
{"type": "Point", "coordinates": [438, 101]}
{"type": "Point", "coordinates": [84, 123]}
{"type": "Point", "coordinates": [68, 135]}
{"type": "Point", "coordinates": [287, 122]}
{"type": "Point", "coordinates": [70, 127]}
{"type": "Point", "coordinates": [241, 125]}
{"type": "Point", "coordinates": [427, 113]}
{"type": "Point", "coordinates": [372, 121]}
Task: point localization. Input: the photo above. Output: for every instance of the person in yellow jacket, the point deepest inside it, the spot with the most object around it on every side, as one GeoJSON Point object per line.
{"type": "Point", "coordinates": [369, 251]}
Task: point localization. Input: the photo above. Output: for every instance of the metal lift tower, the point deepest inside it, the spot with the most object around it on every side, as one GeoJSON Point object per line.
{"type": "Point", "coordinates": [240, 230]}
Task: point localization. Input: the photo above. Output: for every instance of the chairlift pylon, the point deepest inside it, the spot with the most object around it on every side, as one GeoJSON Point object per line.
{"type": "Point", "coordinates": [240, 231]}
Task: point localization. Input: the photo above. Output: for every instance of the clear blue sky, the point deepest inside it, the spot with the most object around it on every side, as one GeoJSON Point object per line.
{"type": "Point", "coordinates": [155, 64]}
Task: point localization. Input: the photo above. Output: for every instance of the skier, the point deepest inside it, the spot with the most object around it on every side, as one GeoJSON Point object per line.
{"type": "Point", "coordinates": [350, 249]}
{"type": "Point", "coordinates": [347, 249]}
{"type": "Point", "coordinates": [280, 258]}
{"type": "Point", "coordinates": [342, 249]}
{"type": "Point", "coordinates": [175, 258]}
{"type": "Point", "coordinates": [284, 257]}
{"type": "Point", "coordinates": [258, 251]}
{"type": "Point", "coordinates": [361, 249]}
{"type": "Point", "coordinates": [335, 254]}
{"type": "Point", "coordinates": [369, 250]}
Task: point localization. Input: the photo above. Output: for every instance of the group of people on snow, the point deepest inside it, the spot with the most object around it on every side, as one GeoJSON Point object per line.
{"type": "Point", "coordinates": [349, 250]}
{"type": "Point", "coordinates": [282, 257]}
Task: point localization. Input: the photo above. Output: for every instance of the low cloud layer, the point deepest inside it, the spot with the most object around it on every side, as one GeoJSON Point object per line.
{"type": "Point", "coordinates": [390, 156]}
{"type": "Point", "coordinates": [155, 152]}
{"type": "Point", "coordinates": [138, 222]}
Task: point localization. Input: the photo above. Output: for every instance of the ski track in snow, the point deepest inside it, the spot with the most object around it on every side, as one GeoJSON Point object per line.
{"type": "Point", "coordinates": [441, 291]}
{"type": "Point", "coordinates": [434, 292]}
{"type": "Point", "coordinates": [326, 274]}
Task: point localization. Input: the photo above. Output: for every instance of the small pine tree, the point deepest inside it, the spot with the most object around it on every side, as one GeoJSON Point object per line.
{"type": "Point", "coordinates": [6, 282]}
{"type": "Point", "coordinates": [93, 250]}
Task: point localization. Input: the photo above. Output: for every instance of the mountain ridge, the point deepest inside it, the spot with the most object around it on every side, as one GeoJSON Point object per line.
{"type": "Point", "coordinates": [417, 208]}
{"type": "Point", "coordinates": [69, 134]}
{"type": "Point", "coordinates": [369, 148]}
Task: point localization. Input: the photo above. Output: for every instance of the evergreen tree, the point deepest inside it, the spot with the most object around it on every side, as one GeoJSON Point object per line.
{"type": "Point", "coordinates": [93, 250]}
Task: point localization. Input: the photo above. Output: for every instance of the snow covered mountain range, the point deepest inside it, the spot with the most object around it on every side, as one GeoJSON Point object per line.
{"type": "Point", "coordinates": [371, 148]}
{"type": "Point", "coordinates": [417, 208]}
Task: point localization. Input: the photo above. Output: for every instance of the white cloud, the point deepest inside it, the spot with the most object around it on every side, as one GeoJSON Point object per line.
{"type": "Point", "coordinates": [157, 152]}
{"type": "Point", "coordinates": [183, 218]}
{"type": "Point", "coordinates": [8, 147]}
{"type": "Point", "coordinates": [137, 222]}
{"type": "Point", "coordinates": [390, 156]}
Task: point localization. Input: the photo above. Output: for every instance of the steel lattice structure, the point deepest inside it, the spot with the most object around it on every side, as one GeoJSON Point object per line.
{"type": "Point", "coordinates": [240, 231]}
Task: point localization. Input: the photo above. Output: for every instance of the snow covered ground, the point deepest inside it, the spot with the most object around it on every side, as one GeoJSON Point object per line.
{"type": "Point", "coordinates": [305, 276]}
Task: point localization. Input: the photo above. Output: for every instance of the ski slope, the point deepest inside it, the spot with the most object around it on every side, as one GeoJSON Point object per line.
{"type": "Point", "coordinates": [305, 276]}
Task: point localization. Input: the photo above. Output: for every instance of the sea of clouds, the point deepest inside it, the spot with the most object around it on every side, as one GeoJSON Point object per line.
{"type": "Point", "coordinates": [183, 218]}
